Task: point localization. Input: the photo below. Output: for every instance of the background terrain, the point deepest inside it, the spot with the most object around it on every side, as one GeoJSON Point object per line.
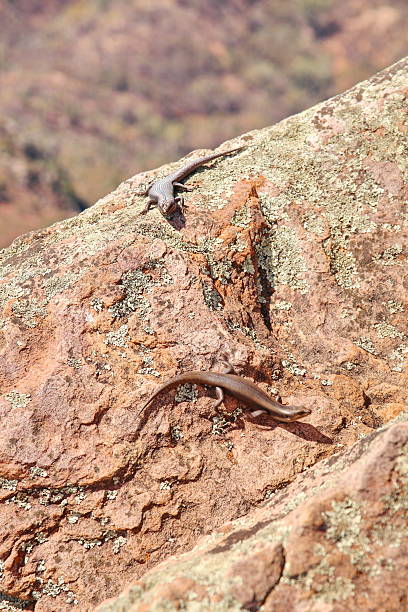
{"type": "Point", "coordinates": [94, 91]}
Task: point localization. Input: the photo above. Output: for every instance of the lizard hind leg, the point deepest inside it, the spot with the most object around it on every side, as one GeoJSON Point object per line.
{"type": "Point", "coordinates": [181, 186]}
{"type": "Point", "coordinates": [145, 190]}
{"type": "Point", "coordinates": [219, 392]}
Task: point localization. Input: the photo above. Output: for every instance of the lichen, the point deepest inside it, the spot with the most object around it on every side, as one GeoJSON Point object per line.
{"type": "Point", "coordinates": [385, 330]}
{"type": "Point", "coordinates": [241, 217]}
{"type": "Point", "coordinates": [366, 344]}
{"type": "Point", "coordinates": [389, 257]}
{"type": "Point", "coordinates": [280, 256]}
{"type": "Point", "coordinates": [75, 363]}
{"type": "Point", "coordinates": [30, 311]}
{"type": "Point", "coordinates": [36, 472]}
{"type": "Point", "coordinates": [393, 306]}
{"type": "Point", "coordinates": [212, 298]}
{"type": "Point", "coordinates": [344, 268]}
{"type": "Point", "coordinates": [186, 393]}
{"type": "Point", "coordinates": [118, 337]}
{"type": "Point", "coordinates": [18, 400]}
{"type": "Point", "coordinates": [8, 485]}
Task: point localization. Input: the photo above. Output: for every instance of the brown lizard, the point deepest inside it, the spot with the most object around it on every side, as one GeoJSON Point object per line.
{"type": "Point", "coordinates": [238, 387]}
{"type": "Point", "coordinates": [161, 192]}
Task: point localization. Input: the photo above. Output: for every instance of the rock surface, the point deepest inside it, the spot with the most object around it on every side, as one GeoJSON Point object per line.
{"type": "Point", "coordinates": [335, 539]}
{"type": "Point", "coordinates": [290, 264]}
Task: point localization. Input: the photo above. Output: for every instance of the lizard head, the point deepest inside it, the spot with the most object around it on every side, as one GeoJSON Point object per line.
{"type": "Point", "coordinates": [287, 414]}
{"type": "Point", "coordinates": [167, 206]}
{"type": "Point", "coordinates": [293, 413]}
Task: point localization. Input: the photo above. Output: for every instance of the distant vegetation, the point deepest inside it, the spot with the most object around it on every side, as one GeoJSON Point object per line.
{"type": "Point", "coordinates": [101, 89]}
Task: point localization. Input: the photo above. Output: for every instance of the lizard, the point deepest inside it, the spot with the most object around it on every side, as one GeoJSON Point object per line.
{"type": "Point", "coordinates": [239, 388]}
{"type": "Point", "coordinates": [161, 192]}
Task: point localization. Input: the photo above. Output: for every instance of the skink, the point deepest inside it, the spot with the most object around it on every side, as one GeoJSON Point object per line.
{"type": "Point", "coordinates": [161, 192]}
{"type": "Point", "coordinates": [238, 387]}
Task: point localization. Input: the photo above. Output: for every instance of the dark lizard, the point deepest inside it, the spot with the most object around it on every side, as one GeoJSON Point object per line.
{"type": "Point", "coordinates": [161, 192]}
{"type": "Point", "coordinates": [238, 387]}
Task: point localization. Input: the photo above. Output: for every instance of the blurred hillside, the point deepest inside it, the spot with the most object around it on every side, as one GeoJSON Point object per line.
{"type": "Point", "coordinates": [93, 91]}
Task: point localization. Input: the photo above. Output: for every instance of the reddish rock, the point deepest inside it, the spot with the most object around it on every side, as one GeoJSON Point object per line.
{"type": "Point", "coordinates": [335, 539]}
{"type": "Point", "coordinates": [289, 264]}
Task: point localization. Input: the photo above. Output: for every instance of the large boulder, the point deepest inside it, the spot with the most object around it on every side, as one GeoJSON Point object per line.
{"type": "Point", "coordinates": [289, 263]}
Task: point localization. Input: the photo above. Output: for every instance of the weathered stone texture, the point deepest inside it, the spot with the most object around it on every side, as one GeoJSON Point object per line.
{"type": "Point", "coordinates": [335, 539]}
{"type": "Point", "coordinates": [290, 264]}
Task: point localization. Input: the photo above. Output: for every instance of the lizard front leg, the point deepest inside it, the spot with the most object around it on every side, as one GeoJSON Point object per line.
{"type": "Point", "coordinates": [149, 204]}
{"type": "Point", "coordinates": [227, 367]}
{"type": "Point", "coordinates": [180, 201]}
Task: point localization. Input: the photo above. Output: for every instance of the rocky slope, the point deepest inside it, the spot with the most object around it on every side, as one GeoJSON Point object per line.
{"type": "Point", "coordinates": [335, 539]}
{"type": "Point", "coordinates": [289, 263]}
{"type": "Point", "coordinates": [106, 88]}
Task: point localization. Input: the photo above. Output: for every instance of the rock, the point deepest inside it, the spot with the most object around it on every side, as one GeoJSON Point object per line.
{"type": "Point", "coordinates": [335, 539]}
{"type": "Point", "coordinates": [288, 263]}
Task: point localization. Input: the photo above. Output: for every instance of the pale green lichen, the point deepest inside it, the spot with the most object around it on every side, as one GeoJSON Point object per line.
{"type": "Point", "coordinates": [344, 268]}
{"type": "Point", "coordinates": [18, 400]}
{"type": "Point", "coordinates": [366, 344]}
{"type": "Point", "coordinates": [220, 269]}
{"type": "Point", "coordinates": [312, 222]}
{"type": "Point", "coordinates": [20, 500]}
{"type": "Point", "coordinates": [72, 362]}
{"type": "Point", "coordinates": [333, 588]}
{"type": "Point", "coordinates": [389, 257]}
{"type": "Point", "coordinates": [97, 304]}
{"type": "Point", "coordinates": [148, 363]}
{"type": "Point", "coordinates": [280, 256]}
{"type": "Point", "coordinates": [176, 434]}
{"type": "Point", "coordinates": [165, 485]}
{"type": "Point", "coordinates": [9, 485]}
{"type": "Point", "coordinates": [36, 472]}
{"type": "Point", "coordinates": [393, 306]}
{"type": "Point", "coordinates": [58, 284]}
{"type": "Point", "coordinates": [349, 365]}
{"type": "Point", "coordinates": [248, 266]}
{"type": "Point", "coordinates": [294, 368]}
{"type": "Point", "coordinates": [241, 217]}
{"type": "Point", "coordinates": [238, 245]}
{"type": "Point", "coordinates": [349, 313]}
{"type": "Point", "coordinates": [212, 298]}
{"type": "Point", "coordinates": [73, 518]}
{"type": "Point", "coordinates": [117, 544]}
{"type": "Point", "coordinates": [55, 589]}
{"type": "Point", "coordinates": [385, 330]}
{"type": "Point", "coordinates": [281, 305]}
{"type": "Point", "coordinates": [118, 337]}
{"type": "Point", "coordinates": [30, 311]}
{"type": "Point", "coordinates": [389, 227]}
{"type": "Point", "coordinates": [250, 333]}
{"type": "Point", "coordinates": [220, 425]}
{"type": "Point", "coordinates": [186, 393]}
{"type": "Point", "coordinates": [343, 525]}
{"type": "Point", "coordinates": [90, 544]}
{"type": "Point", "coordinates": [135, 283]}
{"type": "Point", "coordinates": [273, 207]}
{"type": "Point", "coordinates": [399, 355]}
